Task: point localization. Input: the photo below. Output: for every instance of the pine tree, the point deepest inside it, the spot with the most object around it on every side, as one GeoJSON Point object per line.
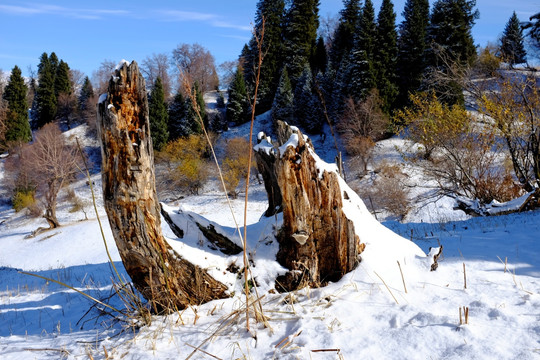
{"type": "Point", "coordinates": [361, 71]}
{"type": "Point", "coordinates": [319, 60]}
{"type": "Point", "coordinates": [272, 48]}
{"type": "Point", "coordinates": [157, 111]}
{"type": "Point", "coordinates": [512, 49]}
{"type": "Point", "coordinates": [386, 55]}
{"type": "Point", "coordinates": [300, 37]}
{"type": "Point", "coordinates": [238, 104]}
{"type": "Point", "coordinates": [533, 25]}
{"type": "Point", "coordinates": [348, 23]}
{"type": "Point", "coordinates": [411, 48]}
{"type": "Point", "coordinates": [46, 102]}
{"type": "Point", "coordinates": [17, 125]}
{"type": "Point", "coordinates": [62, 83]}
{"type": "Point", "coordinates": [282, 107]}
{"type": "Point", "coordinates": [451, 23]}
{"type": "Point", "coordinates": [202, 107]}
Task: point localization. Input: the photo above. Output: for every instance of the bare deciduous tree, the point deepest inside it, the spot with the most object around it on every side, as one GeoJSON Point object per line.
{"type": "Point", "coordinates": [157, 65]}
{"type": "Point", "coordinates": [48, 164]}
{"type": "Point", "coordinates": [101, 77]}
{"type": "Point", "coordinates": [362, 123]}
{"type": "Point", "coordinates": [197, 64]}
{"type": "Point", "coordinates": [227, 70]}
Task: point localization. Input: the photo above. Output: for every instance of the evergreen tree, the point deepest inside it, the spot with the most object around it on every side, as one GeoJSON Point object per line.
{"type": "Point", "coordinates": [17, 125]}
{"type": "Point", "coordinates": [307, 112]}
{"type": "Point", "coordinates": [87, 92]}
{"type": "Point", "coordinates": [202, 107]}
{"type": "Point", "coordinates": [157, 111]}
{"type": "Point", "coordinates": [300, 37]}
{"type": "Point", "coordinates": [348, 23]}
{"type": "Point", "coordinates": [238, 104]}
{"type": "Point", "coordinates": [534, 29]}
{"type": "Point", "coordinates": [46, 102]}
{"type": "Point", "coordinates": [411, 48]}
{"type": "Point", "coordinates": [272, 49]}
{"type": "Point", "coordinates": [512, 49]}
{"type": "Point", "coordinates": [451, 23]}
{"type": "Point", "coordinates": [319, 60]}
{"type": "Point", "coordinates": [177, 118]}
{"type": "Point", "coordinates": [361, 71]}
{"type": "Point", "coordinates": [451, 40]}
{"type": "Point", "coordinates": [282, 107]}
{"type": "Point", "coordinates": [386, 55]}
{"type": "Point", "coordinates": [62, 82]}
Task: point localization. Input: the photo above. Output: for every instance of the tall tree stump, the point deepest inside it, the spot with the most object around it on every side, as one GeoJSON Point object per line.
{"type": "Point", "coordinates": [317, 241]}
{"type": "Point", "coordinates": [162, 276]}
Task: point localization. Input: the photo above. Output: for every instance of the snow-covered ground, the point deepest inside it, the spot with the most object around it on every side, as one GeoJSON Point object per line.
{"type": "Point", "coordinates": [366, 315]}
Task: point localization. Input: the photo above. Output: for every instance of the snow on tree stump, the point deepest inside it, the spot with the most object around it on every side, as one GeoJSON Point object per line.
{"type": "Point", "coordinates": [162, 276]}
{"type": "Point", "coordinates": [317, 241]}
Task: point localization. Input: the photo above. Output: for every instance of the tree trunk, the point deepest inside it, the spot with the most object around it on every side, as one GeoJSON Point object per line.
{"type": "Point", "coordinates": [162, 276]}
{"type": "Point", "coordinates": [317, 242]}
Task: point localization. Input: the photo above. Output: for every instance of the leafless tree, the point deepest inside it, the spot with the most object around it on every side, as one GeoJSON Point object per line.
{"type": "Point", "coordinates": [67, 105]}
{"type": "Point", "coordinates": [362, 123]}
{"type": "Point", "coordinates": [329, 24]}
{"type": "Point", "coordinates": [156, 66]}
{"type": "Point", "coordinates": [197, 64]}
{"type": "Point", "coordinates": [48, 164]}
{"type": "Point", "coordinates": [76, 78]}
{"type": "Point", "coordinates": [100, 77]}
{"type": "Point", "coordinates": [226, 71]}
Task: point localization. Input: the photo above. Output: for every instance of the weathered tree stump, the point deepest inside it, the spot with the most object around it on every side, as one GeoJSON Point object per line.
{"type": "Point", "coordinates": [162, 276]}
{"type": "Point", "coordinates": [317, 241]}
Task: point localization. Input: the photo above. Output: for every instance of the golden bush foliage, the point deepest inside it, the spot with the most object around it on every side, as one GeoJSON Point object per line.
{"type": "Point", "coordinates": [236, 164]}
{"type": "Point", "coordinates": [186, 163]}
{"type": "Point", "coordinates": [461, 155]}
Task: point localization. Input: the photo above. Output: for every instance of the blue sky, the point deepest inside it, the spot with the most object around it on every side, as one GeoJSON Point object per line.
{"type": "Point", "coordinates": [84, 33]}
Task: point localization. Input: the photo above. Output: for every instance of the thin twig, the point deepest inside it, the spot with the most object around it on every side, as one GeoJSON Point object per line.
{"type": "Point", "coordinates": [204, 352]}
{"type": "Point", "coordinates": [402, 278]}
{"type": "Point", "coordinates": [390, 291]}
{"type": "Point", "coordinates": [464, 277]}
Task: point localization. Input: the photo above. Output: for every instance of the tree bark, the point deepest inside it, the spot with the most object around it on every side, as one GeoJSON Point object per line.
{"type": "Point", "coordinates": [162, 276]}
{"type": "Point", "coordinates": [317, 241]}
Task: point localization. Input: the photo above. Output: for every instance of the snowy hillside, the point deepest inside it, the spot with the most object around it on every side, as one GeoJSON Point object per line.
{"type": "Point", "coordinates": [390, 307]}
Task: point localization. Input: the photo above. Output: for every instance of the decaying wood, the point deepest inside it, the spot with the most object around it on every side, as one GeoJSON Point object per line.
{"type": "Point", "coordinates": [531, 202]}
{"type": "Point", "coordinates": [158, 272]}
{"type": "Point", "coordinates": [317, 242]}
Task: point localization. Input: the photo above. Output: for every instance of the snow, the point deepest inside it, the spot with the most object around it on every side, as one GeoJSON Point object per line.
{"type": "Point", "coordinates": [366, 315]}
{"type": "Point", "coordinates": [102, 98]}
{"type": "Point", "coordinates": [121, 63]}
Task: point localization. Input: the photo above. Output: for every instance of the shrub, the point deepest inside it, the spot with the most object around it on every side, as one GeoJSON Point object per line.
{"type": "Point", "coordinates": [387, 192]}
{"type": "Point", "coordinates": [235, 164]}
{"type": "Point", "coordinates": [459, 154]}
{"type": "Point", "coordinates": [23, 198]}
{"type": "Point", "coordinates": [185, 162]}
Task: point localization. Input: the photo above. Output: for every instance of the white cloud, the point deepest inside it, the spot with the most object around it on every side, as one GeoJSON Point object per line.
{"type": "Point", "coordinates": [37, 9]}
{"type": "Point", "coordinates": [209, 18]}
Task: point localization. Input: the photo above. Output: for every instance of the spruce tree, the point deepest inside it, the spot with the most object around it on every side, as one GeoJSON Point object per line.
{"type": "Point", "coordinates": [386, 55]}
{"type": "Point", "coordinates": [533, 26]}
{"type": "Point", "coordinates": [177, 118]}
{"type": "Point", "coordinates": [62, 83]}
{"type": "Point", "coordinates": [319, 60]}
{"type": "Point", "coordinates": [87, 92]}
{"type": "Point", "coordinates": [451, 23]}
{"type": "Point", "coordinates": [238, 104]}
{"type": "Point", "coordinates": [300, 37]}
{"type": "Point", "coordinates": [307, 112]}
{"type": "Point", "coordinates": [157, 111]}
{"type": "Point", "coordinates": [361, 71]}
{"type": "Point", "coordinates": [46, 102]}
{"type": "Point", "coordinates": [202, 107]}
{"type": "Point", "coordinates": [412, 44]}
{"type": "Point", "coordinates": [282, 107]}
{"type": "Point", "coordinates": [17, 125]}
{"type": "Point", "coordinates": [449, 33]}
{"type": "Point", "coordinates": [511, 45]}
{"type": "Point", "coordinates": [348, 23]}
{"type": "Point", "coordinates": [272, 48]}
